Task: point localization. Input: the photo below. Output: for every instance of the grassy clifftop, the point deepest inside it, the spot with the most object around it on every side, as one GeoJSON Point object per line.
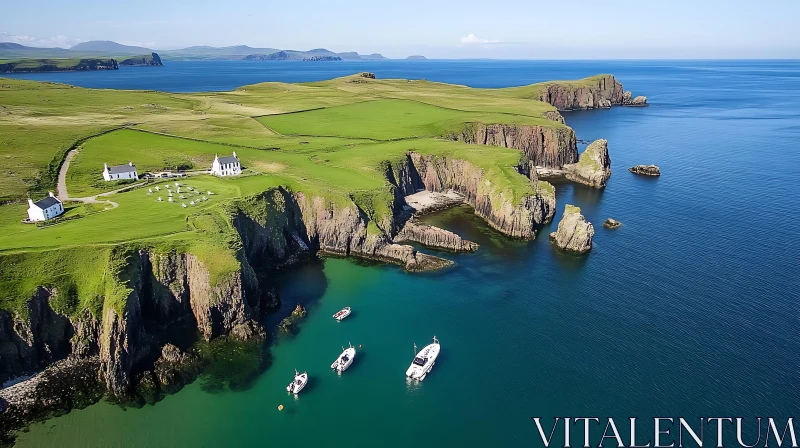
{"type": "Point", "coordinates": [329, 139]}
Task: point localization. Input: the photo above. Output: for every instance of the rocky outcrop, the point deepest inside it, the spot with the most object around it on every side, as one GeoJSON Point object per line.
{"type": "Point", "coordinates": [550, 146]}
{"type": "Point", "coordinates": [597, 92]}
{"type": "Point", "coordinates": [64, 385]}
{"type": "Point", "coordinates": [611, 223]}
{"type": "Point", "coordinates": [593, 167]}
{"type": "Point", "coordinates": [435, 237]}
{"type": "Point", "coordinates": [645, 170]}
{"type": "Point", "coordinates": [345, 231]}
{"type": "Point", "coordinates": [574, 233]}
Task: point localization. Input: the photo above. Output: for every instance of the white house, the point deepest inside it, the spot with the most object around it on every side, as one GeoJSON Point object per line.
{"type": "Point", "coordinates": [226, 166]}
{"type": "Point", "coordinates": [120, 172]}
{"type": "Point", "coordinates": [45, 209]}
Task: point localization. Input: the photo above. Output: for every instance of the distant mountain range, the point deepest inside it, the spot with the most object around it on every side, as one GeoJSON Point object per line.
{"type": "Point", "coordinates": [105, 48]}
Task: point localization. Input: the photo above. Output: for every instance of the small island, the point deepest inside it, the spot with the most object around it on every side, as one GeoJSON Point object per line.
{"type": "Point", "coordinates": [416, 57]}
{"type": "Point", "coordinates": [26, 65]}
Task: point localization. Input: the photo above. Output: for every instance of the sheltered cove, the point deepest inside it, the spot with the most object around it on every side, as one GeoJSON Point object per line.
{"type": "Point", "coordinates": [482, 147]}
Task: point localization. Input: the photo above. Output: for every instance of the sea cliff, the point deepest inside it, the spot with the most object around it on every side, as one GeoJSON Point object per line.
{"type": "Point", "coordinates": [151, 287]}
{"type": "Point", "coordinates": [549, 146]}
{"type": "Point", "coordinates": [596, 92]}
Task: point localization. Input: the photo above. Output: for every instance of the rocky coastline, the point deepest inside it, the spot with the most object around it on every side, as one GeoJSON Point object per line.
{"type": "Point", "coordinates": [119, 351]}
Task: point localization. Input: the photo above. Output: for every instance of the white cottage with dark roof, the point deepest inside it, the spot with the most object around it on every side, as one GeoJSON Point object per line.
{"type": "Point", "coordinates": [44, 209]}
{"type": "Point", "coordinates": [120, 172]}
{"type": "Point", "coordinates": [226, 166]}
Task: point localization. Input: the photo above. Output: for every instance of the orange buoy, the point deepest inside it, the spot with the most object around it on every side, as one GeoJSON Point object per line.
{"type": "Point", "coordinates": [280, 407]}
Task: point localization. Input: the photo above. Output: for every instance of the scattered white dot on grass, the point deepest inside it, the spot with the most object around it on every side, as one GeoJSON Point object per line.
{"type": "Point", "coordinates": [159, 199]}
{"type": "Point", "coordinates": [191, 203]}
{"type": "Point", "coordinates": [170, 199]}
{"type": "Point", "coordinates": [183, 205]}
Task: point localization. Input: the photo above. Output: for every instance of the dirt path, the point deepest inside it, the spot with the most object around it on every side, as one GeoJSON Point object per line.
{"type": "Point", "coordinates": [63, 195]}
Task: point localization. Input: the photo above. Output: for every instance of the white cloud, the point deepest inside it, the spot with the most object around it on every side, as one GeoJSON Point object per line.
{"type": "Point", "coordinates": [32, 41]}
{"type": "Point", "coordinates": [472, 39]}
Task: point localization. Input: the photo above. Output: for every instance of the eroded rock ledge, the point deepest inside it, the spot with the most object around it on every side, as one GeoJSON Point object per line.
{"type": "Point", "coordinates": [435, 237]}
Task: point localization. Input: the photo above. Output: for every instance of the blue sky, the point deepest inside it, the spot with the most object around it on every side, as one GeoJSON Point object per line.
{"type": "Point", "coordinates": [525, 29]}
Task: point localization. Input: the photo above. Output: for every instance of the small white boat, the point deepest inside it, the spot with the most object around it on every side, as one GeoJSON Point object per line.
{"type": "Point", "coordinates": [344, 360]}
{"type": "Point", "coordinates": [298, 383]}
{"type": "Point", "coordinates": [424, 361]}
{"type": "Point", "coordinates": [344, 312]}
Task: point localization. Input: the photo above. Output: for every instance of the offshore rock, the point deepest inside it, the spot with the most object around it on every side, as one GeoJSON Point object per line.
{"type": "Point", "coordinates": [550, 146]}
{"type": "Point", "coordinates": [288, 324]}
{"type": "Point", "coordinates": [645, 170]}
{"type": "Point", "coordinates": [434, 237]}
{"type": "Point", "coordinates": [593, 167]}
{"type": "Point", "coordinates": [611, 223]}
{"type": "Point", "coordinates": [574, 233]}
{"type": "Point", "coordinates": [628, 100]}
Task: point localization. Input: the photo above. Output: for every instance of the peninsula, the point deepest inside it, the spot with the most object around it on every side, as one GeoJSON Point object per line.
{"type": "Point", "coordinates": [299, 170]}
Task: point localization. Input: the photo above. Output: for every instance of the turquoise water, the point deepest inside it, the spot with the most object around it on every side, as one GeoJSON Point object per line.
{"type": "Point", "coordinates": [689, 309]}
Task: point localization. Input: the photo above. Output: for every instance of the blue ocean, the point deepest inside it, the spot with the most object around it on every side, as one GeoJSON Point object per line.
{"type": "Point", "coordinates": [690, 309]}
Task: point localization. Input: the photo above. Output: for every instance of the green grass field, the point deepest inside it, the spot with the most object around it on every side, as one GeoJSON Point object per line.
{"type": "Point", "coordinates": [328, 139]}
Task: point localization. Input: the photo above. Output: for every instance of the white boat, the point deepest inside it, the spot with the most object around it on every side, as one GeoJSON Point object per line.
{"type": "Point", "coordinates": [298, 383]}
{"type": "Point", "coordinates": [424, 361]}
{"type": "Point", "coordinates": [344, 312]}
{"type": "Point", "coordinates": [344, 360]}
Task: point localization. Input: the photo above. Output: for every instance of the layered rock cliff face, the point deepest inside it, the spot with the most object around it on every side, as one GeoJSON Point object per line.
{"type": "Point", "coordinates": [550, 146]}
{"type": "Point", "coordinates": [574, 233]}
{"type": "Point", "coordinates": [593, 93]}
{"type": "Point", "coordinates": [517, 218]}
{"type": "Point", "coordinates": [593, 167]}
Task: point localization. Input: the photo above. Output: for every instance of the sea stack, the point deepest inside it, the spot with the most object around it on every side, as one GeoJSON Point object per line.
{"type": "Point", "coordinates": [645, 170]}
{"type": "Point", "coordinates": [629, 100]}
{"type": "Point", "coordinates": [574, 232]}
{"type": "Point", "coordinates": [593, 167]}
{"type": "Point", "coordinates": [611, 223]}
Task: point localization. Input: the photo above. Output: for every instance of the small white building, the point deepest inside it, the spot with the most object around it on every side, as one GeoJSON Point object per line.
{"type": "Point", "coordinates": [44, 209]}
{"type": "Point", "coordinates": [120, 172]}
{"type": "Point", "coordinates": [226, 166]}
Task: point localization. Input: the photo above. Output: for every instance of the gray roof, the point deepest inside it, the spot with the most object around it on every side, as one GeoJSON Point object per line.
{"type": "Point", "coordinates": [46, 202]}
{"type": "Point", "coordinates": [119, 169]}
{"type": "Point", "coordinates": [231, 159]}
